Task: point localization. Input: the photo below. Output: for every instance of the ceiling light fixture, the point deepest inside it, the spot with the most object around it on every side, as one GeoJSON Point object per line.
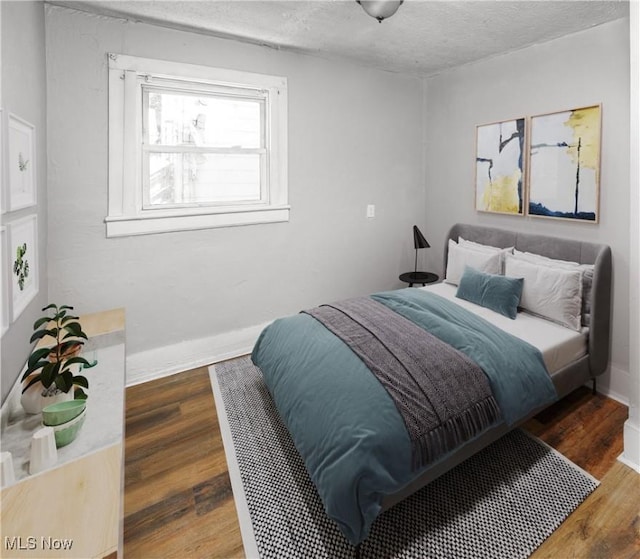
{"type": "Point", "coordinates": [380, 9]}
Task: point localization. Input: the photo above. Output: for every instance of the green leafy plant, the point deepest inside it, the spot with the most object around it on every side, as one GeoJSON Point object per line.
{"type": "Point", "coordinates": [52, 365]}
{"type": "Point", "coordinates": [22, 163]}
{"type": "Point", "coordinates": [21, 265]}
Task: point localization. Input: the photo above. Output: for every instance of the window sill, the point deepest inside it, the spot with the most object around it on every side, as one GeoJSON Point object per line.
{"type": "Point", "coordinates": [125, 226]}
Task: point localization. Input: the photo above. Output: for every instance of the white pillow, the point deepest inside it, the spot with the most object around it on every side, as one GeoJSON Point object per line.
{"type": "Point", "coordinates": [551, 292]}
{"type": "Point", "coordinates": [539, 259]}
{"type": "Point", "coordinates": [585, 269]}
{"type": "Point", "coordinates": [487, 248]}
{"type": "Point", "coordinates": [459, 257]}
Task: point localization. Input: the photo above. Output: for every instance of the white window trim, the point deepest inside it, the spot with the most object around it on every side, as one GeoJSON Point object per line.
{"type": "Point", "coordinates": [126, 215]}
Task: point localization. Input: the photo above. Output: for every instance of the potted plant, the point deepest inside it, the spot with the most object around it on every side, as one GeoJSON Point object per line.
{"type": "Point", "coordinates": [51, 369]}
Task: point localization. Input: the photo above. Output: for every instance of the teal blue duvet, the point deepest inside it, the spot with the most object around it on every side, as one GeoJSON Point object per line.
{"type": "Point", "coordinates": [344, 424]}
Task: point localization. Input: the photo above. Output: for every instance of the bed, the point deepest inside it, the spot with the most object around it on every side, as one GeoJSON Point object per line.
{"type": "Point", "coordinates": [356, 435]}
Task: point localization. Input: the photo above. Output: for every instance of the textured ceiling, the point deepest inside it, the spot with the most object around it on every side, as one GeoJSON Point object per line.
{"type": "Point", "coordinates": [424, 37]}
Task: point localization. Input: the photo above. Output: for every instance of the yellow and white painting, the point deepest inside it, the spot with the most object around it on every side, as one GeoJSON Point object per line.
{"type": "Point", "coordinates": [565, 164]}
{"type": "Point", "coordinates": [500, 167]}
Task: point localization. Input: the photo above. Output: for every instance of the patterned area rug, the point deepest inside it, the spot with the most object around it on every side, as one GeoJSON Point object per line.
{"type": "Point", "coordinates": [501, 503]}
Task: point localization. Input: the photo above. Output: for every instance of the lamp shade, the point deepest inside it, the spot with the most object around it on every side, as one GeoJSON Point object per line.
{"type": "Point", "coordinates": [380, 9]}
{"type": "Point", "coordinates": [418, 239]}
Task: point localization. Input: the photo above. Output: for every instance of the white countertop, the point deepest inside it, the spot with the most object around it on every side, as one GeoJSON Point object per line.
{"type": "Point", "coordinates": [105, 409]}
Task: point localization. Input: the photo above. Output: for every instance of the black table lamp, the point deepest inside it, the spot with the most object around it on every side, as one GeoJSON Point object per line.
{"type": "Point", "coordinates": [418, 242]}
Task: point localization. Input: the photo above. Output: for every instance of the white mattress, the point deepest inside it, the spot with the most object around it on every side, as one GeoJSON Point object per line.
{"type": "Point", "coordinates": [558, 345]}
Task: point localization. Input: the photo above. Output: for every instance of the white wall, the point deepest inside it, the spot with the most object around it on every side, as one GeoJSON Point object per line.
{"type": "Point", "coordinates": [577, 70]}
{"type": "Point", "coordinates": [631, 454]}
{"type": "Point", "coordinates": [355, 138]}
{"type": "Point", "coordinates": [24, 94]}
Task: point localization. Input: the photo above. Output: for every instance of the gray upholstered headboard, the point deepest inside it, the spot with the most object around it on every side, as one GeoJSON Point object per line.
{"type": "Point", "coordinates": [562, 249]}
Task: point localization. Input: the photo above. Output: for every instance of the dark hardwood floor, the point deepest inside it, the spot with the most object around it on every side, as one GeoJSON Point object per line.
{"type": "Point", "coordinates": [178, 499]}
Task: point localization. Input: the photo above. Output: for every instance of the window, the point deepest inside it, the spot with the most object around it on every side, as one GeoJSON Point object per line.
{"type": "Point", "coordinates": [193, 147]}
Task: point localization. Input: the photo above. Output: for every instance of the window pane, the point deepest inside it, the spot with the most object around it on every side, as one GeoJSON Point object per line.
{"type": "Point", "coordinates": [183, 119]}
{"type": "Point", "coordinates": [183, 178]}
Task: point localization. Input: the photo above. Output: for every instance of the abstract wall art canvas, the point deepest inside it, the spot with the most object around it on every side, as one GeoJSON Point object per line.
{"type": "Point", "coordinates": [564, 164]}
{"type": "Point", "coordinates": [23, 260]}
{"type": "Point", "coordinates": [500, 167]}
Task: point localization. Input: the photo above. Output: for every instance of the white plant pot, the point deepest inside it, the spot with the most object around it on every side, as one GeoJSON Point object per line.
{"type": "Point", "coordinates": [33, 401]}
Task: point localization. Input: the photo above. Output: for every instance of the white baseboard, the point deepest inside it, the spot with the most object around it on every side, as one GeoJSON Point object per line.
{"type": "Point", "coordinates": [617, 387]}
{"type": "Point", "coordinates": [631, 455]}
{"type": "Point", "coordinates": [164, 361]}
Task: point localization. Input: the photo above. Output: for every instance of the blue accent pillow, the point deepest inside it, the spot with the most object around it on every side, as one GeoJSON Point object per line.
{"type": "Point", "coordinates": [498, 293]}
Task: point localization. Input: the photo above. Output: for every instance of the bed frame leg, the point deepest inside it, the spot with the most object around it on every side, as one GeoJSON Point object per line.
{"type": "Point", "coordinates": [593, 388]}
{"type": "Point", "coordinates": [358, 551]}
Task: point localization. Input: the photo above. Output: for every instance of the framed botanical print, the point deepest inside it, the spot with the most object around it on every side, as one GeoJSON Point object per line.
{"type": "Point", "coordinates": [564, 164]}
{"type": "Point", "coordinates": [500, 167]}
{"type": "Point", "coordinates": [3, 182]}
{"type": "Point", "coordinates": [21, 163]}
{"type": "Point", "coordinates": [5, 311]}
{"type": "Point", "coordinates": [23, 260]}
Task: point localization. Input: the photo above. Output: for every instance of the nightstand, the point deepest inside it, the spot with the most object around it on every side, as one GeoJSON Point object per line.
{"type": "Point", "coordinates": [74, 508]}
{"type": "Point", "coordinates": [419, 277]}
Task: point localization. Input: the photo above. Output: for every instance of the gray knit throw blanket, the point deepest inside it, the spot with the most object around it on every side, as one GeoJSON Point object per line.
{"type": "Point", "coordinates": [443, 397]}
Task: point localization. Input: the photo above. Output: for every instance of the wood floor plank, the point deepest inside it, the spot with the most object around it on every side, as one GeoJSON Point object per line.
{"type": "Point", "coordinates": [178, 387]}
{"type": "Point", "coordinates": [178, 498]}
{"type": "Point", "coordinates": [173, 481]}
{"type": "Point", "coordinates": [585, 428]}
{"type": "Point", "coordinates": [606, 525]}
{"type": "Point", "coordinates": [176, 530]}
{"type": "Point", "coordinates": [179, 436]}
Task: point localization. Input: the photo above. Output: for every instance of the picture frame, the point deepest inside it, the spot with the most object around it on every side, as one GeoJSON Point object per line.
{"type": "Point", "coordinates": [23, 261]}
{"type": "Point", "coordinates": [5, 309]}
{"type": "Point", "coordinates": [564, 164]}
{"type": "Point", "coordinates": [21, 163]}
{"type": "Point", "coordinates": [500, 167]}
{"type": "Point", "coordinates": [3, 166]}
